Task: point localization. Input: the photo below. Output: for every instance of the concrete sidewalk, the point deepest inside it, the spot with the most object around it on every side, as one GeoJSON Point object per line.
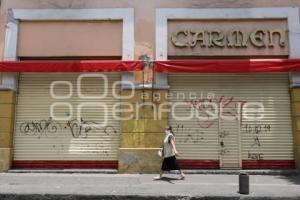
{"type": "Point", "coordinates": [33, 186]}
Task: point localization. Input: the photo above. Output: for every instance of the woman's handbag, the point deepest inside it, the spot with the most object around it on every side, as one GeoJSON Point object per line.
{"type": "Point", "coordinates": [161, 152]}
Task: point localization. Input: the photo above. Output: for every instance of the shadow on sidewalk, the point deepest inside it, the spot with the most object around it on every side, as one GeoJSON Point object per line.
{"type": "Point", "coordinates": [169, 180]}
{"type": "Point", "coordinates": [292, 179]}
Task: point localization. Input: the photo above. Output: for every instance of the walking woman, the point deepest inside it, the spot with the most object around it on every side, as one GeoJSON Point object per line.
{"type": "Point", "coordinates": [169, 154]}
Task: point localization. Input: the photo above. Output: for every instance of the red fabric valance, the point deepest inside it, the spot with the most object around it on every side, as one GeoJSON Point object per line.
{"type": "Point", "coordinates": [187, 66]}
{"type": "Point", "coordinates": [229, 66]}
{"type": "Point", "coordinates": [70, 66]}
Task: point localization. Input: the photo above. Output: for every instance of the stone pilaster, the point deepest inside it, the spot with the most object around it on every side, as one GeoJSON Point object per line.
{"type": "Point", "coordinates": [143, 134]}
{"type": "Point", "coordinates": [7, 111]}
{"type": "Point", "coordinates": [295, 100]}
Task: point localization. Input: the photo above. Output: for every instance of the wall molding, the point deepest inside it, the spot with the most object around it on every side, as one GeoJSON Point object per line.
{"type": "Point", "coordinates": [165, 14]}
{"type": "Point", "coordinates": [291, 14]}
{"type": "Point", "coordinates": [16, 15]}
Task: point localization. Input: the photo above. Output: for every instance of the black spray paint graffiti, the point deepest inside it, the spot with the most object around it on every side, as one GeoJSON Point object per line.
{"type": "Point", "coordinates": [256, 141]}
{"type": "Point", "coordinates": [225, 106]}
{"type": "Point", "coordinates": [222, 136]}
{"type": "Point", "coordinates": [256, 130]}
{"type": "Point", "coordinates": [42, 127]}
{"type": "Point", "coordinates": [255, 156]}
{"type": "Point", "coordinates": [78, 129]}
{"type": "Point", "coordinates": [189, 135]}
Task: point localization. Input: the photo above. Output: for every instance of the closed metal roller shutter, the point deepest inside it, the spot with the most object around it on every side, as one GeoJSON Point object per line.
{"type": "Point", "coordinates": [241, 135]}
{"type": "Point", "coordinates": [40, 137]}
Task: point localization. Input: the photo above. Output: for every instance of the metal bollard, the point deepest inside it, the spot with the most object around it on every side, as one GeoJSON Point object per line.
{"type": "Point", "coordinates": [243, 183]}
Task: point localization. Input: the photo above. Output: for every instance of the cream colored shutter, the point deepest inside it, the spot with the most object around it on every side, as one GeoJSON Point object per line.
{"type": "Point", "coordinates": [267, 139]}
{"type": "Point", "coordinates": [195, 139]}
{"type": "Point", "coordinates": [271, 137]}
{"type": "Point", "coordinates": [229, 143]}
{"type": "Point", "coordinates": [38, 137]}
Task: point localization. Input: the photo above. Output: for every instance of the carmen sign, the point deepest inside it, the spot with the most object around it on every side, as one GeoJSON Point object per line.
{"type": "Point", "coordinates": [260, 38]}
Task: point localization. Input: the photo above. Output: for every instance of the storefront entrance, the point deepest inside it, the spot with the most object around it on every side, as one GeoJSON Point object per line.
{"type": "Point", "coordinates": [252, 127]}
{"type": "Point", "coordinates": [65, 120]}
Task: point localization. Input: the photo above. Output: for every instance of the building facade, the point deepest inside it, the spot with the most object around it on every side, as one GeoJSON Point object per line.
{"type": "Point", "coordinates": [116, 120]}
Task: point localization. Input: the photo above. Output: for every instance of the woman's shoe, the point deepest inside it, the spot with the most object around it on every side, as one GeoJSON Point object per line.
{"type": "Point", "coordinates": [182, 177]}
{"type": "Point", "coordinates": [157, 178]}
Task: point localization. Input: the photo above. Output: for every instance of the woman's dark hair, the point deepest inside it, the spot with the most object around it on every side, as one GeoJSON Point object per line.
{"type": "Point", "coordinates": [169, 128]}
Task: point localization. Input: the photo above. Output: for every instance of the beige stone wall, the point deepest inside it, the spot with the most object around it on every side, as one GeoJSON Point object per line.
{"type": "Point", "coordinates": [142, 135]}
{"type": "Point", "coordinates": [7, 108]}
{"type": "Point", "coordinates": [295, 98]}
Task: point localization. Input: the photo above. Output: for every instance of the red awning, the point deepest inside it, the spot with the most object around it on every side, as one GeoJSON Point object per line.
{"type": "Point", "coordinates": [188, 66]}
{"type": "Point", "coordinates": [70, 66]}
{"type": "Point", "coordinates": [229, 66]}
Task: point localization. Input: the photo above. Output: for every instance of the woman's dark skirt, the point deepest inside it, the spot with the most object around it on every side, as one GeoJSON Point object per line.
{"type": "Point", "coordinates": [169, 164]}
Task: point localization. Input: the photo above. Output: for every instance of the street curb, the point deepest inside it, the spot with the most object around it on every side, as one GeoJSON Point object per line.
{"type": "Point", "coordinates": [250, 172]}
{"type": "Point", "coordinates": [133, 197]}
{"type": "Point", "coordinates": [66, 171]}
{"type": "Point", "coordinates": [113, 171]}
